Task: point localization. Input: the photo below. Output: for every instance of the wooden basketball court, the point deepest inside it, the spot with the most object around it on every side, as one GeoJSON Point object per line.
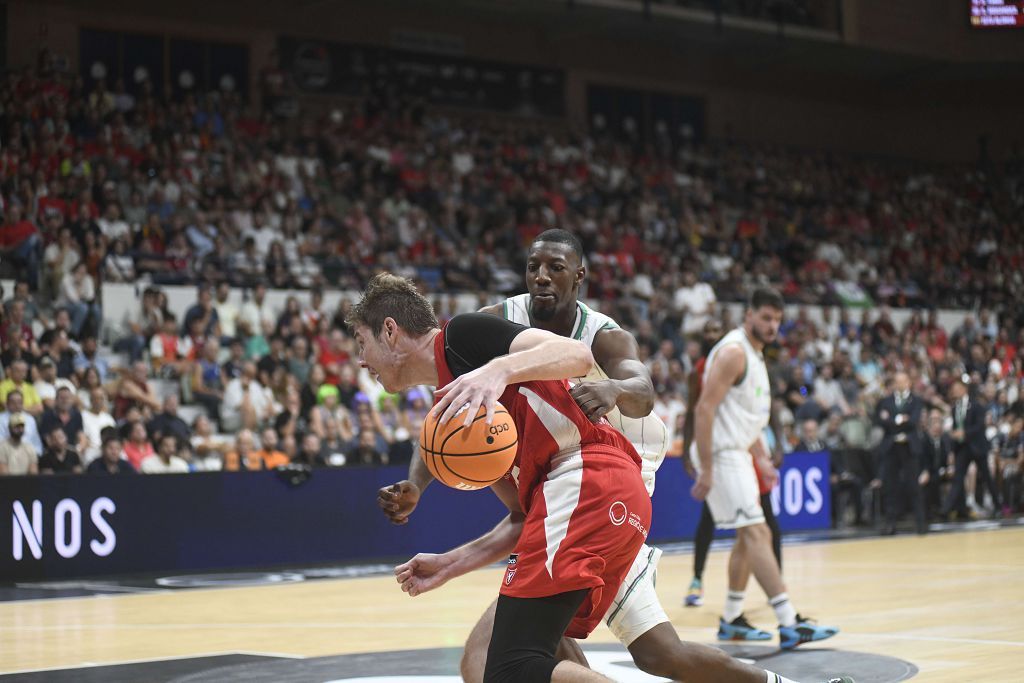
{"type": "Point", "coordinates": [948, 603]}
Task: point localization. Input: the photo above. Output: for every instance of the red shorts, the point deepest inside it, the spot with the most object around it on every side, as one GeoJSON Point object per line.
{"type": "Point", "coordinates": [586, 524]}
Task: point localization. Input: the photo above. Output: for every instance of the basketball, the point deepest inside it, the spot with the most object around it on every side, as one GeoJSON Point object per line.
{"type": "Point", "coordinates": [469, 458]}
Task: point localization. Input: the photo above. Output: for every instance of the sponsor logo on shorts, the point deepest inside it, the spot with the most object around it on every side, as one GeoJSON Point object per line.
{"type": "Point", "coordinates": [617, 513]}
{"type": "Point", "coordinates": [634, 521]}
{"type": "Point", "coordinates": [512, 559]}
{"type": "Point", "coordinates": [509, 575]}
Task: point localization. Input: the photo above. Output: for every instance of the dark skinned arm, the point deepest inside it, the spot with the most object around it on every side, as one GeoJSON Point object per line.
{"type": "Point", "coordinates": [628, 387]}
{"type": "Point", "coordinates": [692, 396]}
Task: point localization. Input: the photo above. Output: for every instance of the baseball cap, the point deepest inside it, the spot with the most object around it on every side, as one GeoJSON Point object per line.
{"type": "Point", "coordinates": [17, 419]}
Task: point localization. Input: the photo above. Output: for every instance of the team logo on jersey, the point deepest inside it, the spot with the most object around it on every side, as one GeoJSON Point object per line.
{"type": "Point", "coordinates": [510, 573]}
{"type": "Point", "coordinates": [617, 513]}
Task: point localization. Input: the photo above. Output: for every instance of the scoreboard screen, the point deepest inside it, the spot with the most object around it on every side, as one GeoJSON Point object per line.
{"type": "Point", "coordinates": [997, 13]}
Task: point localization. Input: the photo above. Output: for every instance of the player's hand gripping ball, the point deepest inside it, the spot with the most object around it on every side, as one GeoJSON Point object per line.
{"type": "Point", "coordinates": [469, 457]}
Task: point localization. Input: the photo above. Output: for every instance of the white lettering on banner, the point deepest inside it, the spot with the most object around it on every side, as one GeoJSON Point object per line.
{"type": "Point", "coordinates": [799, 492]}
{"type": "Point", "coordinates": [793, 492]}
{"type": "Point", "coordinates": [67, 528]}
{"type": "Point", "coordinates": [25, 532]}
{"type": "Point", "coordinates": [814, 498]}
{"type": "Point", "coordinates": [99, 506]}
{"type": "Point", "coordinates": [67, 549]}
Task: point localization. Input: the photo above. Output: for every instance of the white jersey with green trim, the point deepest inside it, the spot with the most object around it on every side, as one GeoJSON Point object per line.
{"type": "Point", "coordinates": [745, 411]}
{"type": "Point", "coordinates": [648, 435]}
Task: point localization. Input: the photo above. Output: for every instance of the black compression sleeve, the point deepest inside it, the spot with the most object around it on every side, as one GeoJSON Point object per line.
{"type": "Point", "coordinates": [473, 339]}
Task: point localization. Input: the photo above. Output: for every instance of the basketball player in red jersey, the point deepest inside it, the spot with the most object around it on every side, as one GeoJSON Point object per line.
{"type": "Point", "coordinates": [585, 509]}
{"type": "Point", "coordinates": [553, 275]}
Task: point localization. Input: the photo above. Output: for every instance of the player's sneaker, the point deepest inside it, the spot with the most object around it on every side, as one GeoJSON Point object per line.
{"type": "Point", "coordinates": [740, 629]}
{"type": "Point", "coordinates": [695, 595]}
{"type": "Point", "coordinates": [804, 631]}
{"type": "Point", "coordinates": [841, 679]}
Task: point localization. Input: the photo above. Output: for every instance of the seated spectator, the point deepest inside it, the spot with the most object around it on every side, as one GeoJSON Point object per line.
{"type": "Point", "coordinates": [110, 460]}
{"type": "Point", "coordinates": [255, 313]}
{"type": "Point", "coordinates": [95, 419]}
{"type": "Point", "coordinates": [311, 453]}
{"type": "Point", "coordinates": [15, 407]}
{"type": "Point", "coordinates": [810, 439]}
{"type": "Point", "coordinates": [335, 356]}
{"type": "Point", "coordinates": [227, 312]}
{"type": "Point", "coordinates": [29, 310]}
{"type": "Point", "coordinates": [19, 240]}
{"type": "Point", "coordinates": [16, 456]}
{"type": "Point", "coordinates": [208, 448]}
{"type": "Point", "coordinates": [247, 403]}
{"type": "Point", "coordinates": [204, 312]}
{"type": "Point", "coordinates": [67, 417]}
{"type": "Point", "coordinates": [133, 390]}
{"type": "Point", "coordinates": [309, 394]}
{"type": "Point", "coordinates": [291, 421]}
{"type": "Point", "coordinates": [119, 266]}
{"type": "Point", "coordinates": [271, 361]}
{"type": "Point", "coordinates": [78, 296]}
{"type": "Point", "coordinates": [269, 453]}
{"type": "Point", "coordinates": [299, 359]}
{"type": "Point", "coordinates": [48, 383]}
{"type": "Point", "coordinates": [232, 367]}
{"type": "Point", "coordinates": [18, 381]}
{"type": "Point", "coordinates": [137, 447]}
{"type": "Point", "coordinates": [168, 422]}
{"type": "Point", "coordinates": [139, 324]}
{"type": "Point", "coordinates": [60, 258]}
{"type": "Point", "coordinates": [244, 455]}
{"type": "Point", "coordinates": [367, 451]}
{"type": "Point", "coordinates": [828, 392]}
{"type": "Point", "coordinates": [89, 358]}
{"type": "Point", "coordinates": [58, 458]}
{"type": "Point", "coordinates": [169, 353]}
{"type": "Point", "coordinates": [331, 421]}
{"type": "Point", "coordinates": [165, 460]}
{"type": "Point", "coordinates": [208, 379]}
{"type": "Point", "coordinates": [17, 332]}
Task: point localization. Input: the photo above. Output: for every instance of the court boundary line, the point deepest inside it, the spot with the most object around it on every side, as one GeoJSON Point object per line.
{"type": "Point", "coordinates": [171, 658]}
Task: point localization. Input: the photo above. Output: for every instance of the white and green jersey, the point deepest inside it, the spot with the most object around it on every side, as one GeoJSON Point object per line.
{"type": "Point", "coordinates": [648, 435]}
{"type": "Point", "coordinates": [745, 411]}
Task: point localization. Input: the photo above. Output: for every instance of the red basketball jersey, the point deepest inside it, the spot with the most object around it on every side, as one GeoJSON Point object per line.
{"type": "Point", "coordinates": [550, 424]}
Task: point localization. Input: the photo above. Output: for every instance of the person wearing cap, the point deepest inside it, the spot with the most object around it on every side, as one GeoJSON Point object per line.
{"type": "Point", "coordinates": [16, 456]}
{"type": "Point", "coordinates": [15, 406]}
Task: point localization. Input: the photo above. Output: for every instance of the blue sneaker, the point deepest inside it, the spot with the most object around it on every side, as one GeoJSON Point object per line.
{"type": "Point", "coordinates": [740, 629]}
{"type": "Point", "coordinates": [695, 594]}
{"type": "Point", "coordinates": [804, 631]}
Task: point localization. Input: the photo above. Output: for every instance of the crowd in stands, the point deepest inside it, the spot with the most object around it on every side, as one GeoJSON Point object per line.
{"type": "Point", "coordinates": [100, 185]}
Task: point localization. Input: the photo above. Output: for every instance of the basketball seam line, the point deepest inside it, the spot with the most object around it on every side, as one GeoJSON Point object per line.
{"type": "Point", "coordinates": [470, 455]}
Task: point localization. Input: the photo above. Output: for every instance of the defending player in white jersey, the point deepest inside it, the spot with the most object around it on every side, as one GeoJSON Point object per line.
{"type": "Point", "coordinates": [620, 390]}
{"type": "Point", "coordinates": [733, 409]}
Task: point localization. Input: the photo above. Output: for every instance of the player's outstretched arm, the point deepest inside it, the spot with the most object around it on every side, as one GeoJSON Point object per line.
{"type": "Point", "coordinates": [533, 355]}
{"type": "Point", "coordinates": [727, 369]}
{"type": "Point", "coordinates": [427, 571]}
{"type": "Point", "coordinates": [628, 387]}
{"type": "Point", "coordinates": [398, 500]}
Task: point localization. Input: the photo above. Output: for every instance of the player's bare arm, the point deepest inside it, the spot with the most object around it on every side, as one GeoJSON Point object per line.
{"type": "Point", "coordinates": [726, 370]}
{"type": "Point", "coordinates": [628, 387]}
{"type": "Point", "coordinates": [534, 355]}
{"type": "Point", "coordinates": [427, 571]}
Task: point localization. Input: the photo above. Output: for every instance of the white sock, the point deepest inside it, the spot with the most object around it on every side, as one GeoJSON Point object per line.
{"type": "Point", "coordinates": [733, 606]}
{"type": "Point", "coordinates": [784, 610]}
{"type": "Point", "coordinates": [776, 678]}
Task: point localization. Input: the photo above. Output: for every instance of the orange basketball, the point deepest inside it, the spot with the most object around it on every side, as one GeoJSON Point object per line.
{"type": "Point", "coordinates": [469, 458]}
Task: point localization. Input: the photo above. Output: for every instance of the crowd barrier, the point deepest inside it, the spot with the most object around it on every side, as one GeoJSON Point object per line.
{"type": "Point", "coordinates": [59, 527]}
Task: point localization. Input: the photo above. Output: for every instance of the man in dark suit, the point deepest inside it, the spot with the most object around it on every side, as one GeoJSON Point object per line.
{"type": "Point", "coordinates": [969, 445]}
{"type": "Point", "coordinates": [938, 454]}
{"type": "Point", "coordinates": [904, 470]}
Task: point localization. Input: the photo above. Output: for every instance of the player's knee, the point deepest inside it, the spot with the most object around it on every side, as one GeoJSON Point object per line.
{"type": "Point", "coordinates": [755, 533]}
{"type": "Point", "coordinates": [523, 667]}
{"type": "Point", "coordinates": [659, 664]}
